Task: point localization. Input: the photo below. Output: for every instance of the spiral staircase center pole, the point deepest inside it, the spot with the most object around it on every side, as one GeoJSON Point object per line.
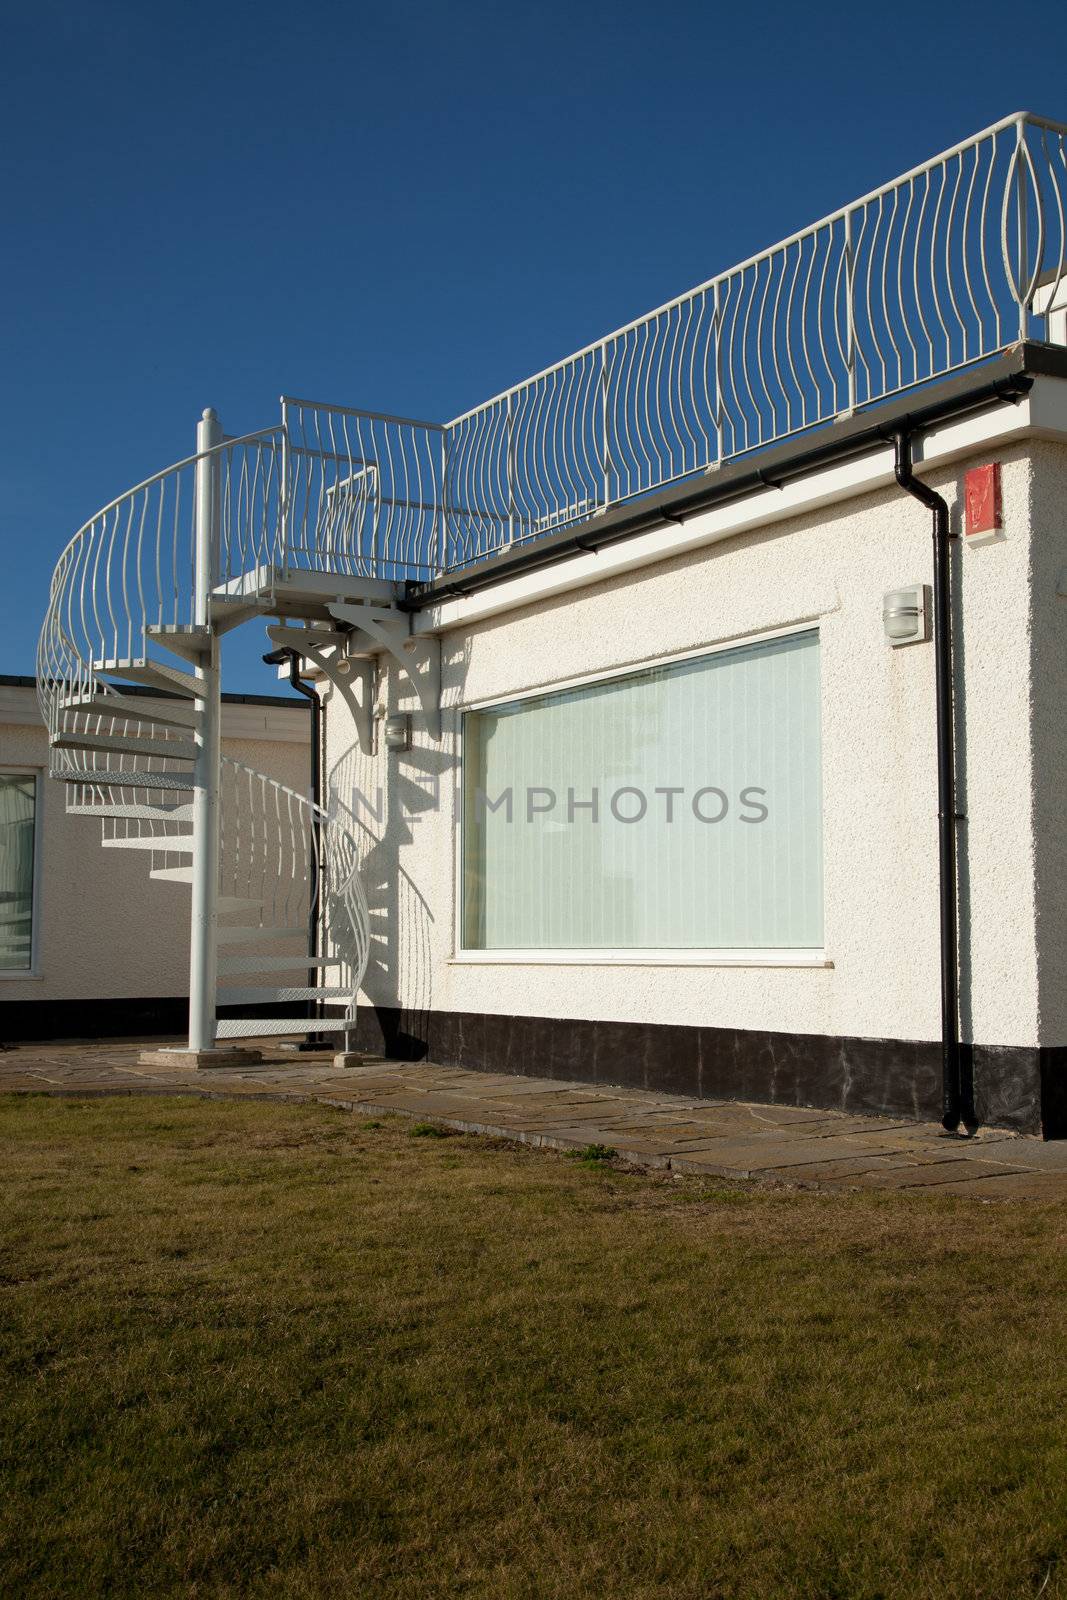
{"type": "Point", "coordinates": [203, 943]}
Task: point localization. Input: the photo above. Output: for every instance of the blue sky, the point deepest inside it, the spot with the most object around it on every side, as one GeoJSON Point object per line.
{"type": "Point", "coordinates": [408, 207]}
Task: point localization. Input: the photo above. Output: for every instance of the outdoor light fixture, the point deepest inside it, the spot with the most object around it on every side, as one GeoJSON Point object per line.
{"type": "Point", "coordinates": [398, 733]}
{"type": "Point", "coordinates": [904, 614]}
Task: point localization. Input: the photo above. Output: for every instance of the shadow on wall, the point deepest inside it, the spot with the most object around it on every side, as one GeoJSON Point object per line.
{"type": "Point", "coordinates": [386, 797]}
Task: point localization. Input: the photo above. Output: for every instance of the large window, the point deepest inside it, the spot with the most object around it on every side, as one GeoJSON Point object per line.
{"type": "Point", "coordinates": [677, 808]}
{"type": "Point", "coordinates": [18, 806]}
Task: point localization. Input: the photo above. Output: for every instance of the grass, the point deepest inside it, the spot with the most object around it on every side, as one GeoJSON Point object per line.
{"type": "Point", "coordinates": [591, 1154]}
{"type": "Point", "coordinates": [269, 1350]}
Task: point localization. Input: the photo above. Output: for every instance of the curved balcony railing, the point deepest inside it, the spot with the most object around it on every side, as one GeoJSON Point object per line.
{"type": "Point", "coordinates": [925, 276]}
{"type": "Point", "coordinates": [128, 577]}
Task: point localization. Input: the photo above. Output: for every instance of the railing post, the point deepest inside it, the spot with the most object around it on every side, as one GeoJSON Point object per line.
{"type": "Point", "coordinates": [1022, 240]}
{"type": "Point", "coordinates": [203, 940]}
{"type": "Point", "coordinates": [605, 449]}
{"type": "Point", "coordinates": [284, 491]}
{"type": "Point", "coordinates": [511, 473]}
{"type": "Point", "coordinates": [850, 315]}
{"type": "Point", "coordinates": [442, 530]}
{"type": "Point", "coordinates": [716, 322]}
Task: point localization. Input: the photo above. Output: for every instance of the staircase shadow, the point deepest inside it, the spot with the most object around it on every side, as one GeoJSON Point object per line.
{"type": "Point", "coordinates": [385, 797]}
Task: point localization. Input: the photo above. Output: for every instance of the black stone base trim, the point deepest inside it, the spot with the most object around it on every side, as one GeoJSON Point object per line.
{"type": "Point", "coordinates": [25, 1020]}
{"type": "Point", "coordinates": [1015, 1087]}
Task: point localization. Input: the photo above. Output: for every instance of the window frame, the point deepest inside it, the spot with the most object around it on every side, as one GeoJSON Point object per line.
{"type": "Point", "coordinates": [463, 955]}
{"type": "Point", "coordinates": [22, 974]}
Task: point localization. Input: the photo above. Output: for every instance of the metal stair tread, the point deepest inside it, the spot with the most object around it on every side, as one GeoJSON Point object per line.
{"type": "Point", "coordinates": [293, 963]}
{"type": "Point", "coordinates": [185, 639]}
{"type": "Point", "coordinates": [182, 812]}
{"type": "Point", "coordinates": [124, 778]}
{"type": "Point", "coordinates": [181, 842]}
{"type": "Point", "coordinates": [125, 744]}
{"type": "Point", "coordinates": [143, 669]}
{"type": "Point", "coordinates": [177, 714]}
{"type": "Point", "coordinates": [253, 1027]}
{"type": "Point", "coordinates": [255, 994]}
{"type": "Point", "coordinates": [246, 935]}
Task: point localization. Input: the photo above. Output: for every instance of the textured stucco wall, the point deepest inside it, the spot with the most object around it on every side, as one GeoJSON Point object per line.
{"type": "Point", "coordinates": [105, 929]}
{"type": "Point", "coordinates": [880, 820]}
{"type": "Point", "coordinates": [1049, 694]}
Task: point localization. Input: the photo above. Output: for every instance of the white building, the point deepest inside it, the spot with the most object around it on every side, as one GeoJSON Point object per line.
{"type": "Point", "coordinates": [86, 948]}
{"type": "Point", "coordinates": [692, 710]}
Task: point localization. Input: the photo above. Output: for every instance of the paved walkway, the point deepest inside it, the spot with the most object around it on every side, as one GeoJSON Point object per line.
{"type": "Point", "coordinates": [783, 1144]}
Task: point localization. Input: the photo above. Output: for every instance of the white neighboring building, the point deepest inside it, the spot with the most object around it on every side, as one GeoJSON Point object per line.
{"type": "Point", "coordinates": [87, 948]}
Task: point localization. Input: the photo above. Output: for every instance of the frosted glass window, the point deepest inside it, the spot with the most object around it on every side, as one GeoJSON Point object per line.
{"type": "Point", "coordinates": [18, 796]}
{"type": "Point", "coordinates": [674, 808]}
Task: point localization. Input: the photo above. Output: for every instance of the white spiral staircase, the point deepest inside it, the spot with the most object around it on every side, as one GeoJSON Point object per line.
{"type": "Point", "coordinates": [128, 680]}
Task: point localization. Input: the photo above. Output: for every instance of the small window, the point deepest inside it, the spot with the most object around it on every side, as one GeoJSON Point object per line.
{"type": "Point", "coordinates": [677, 808]}
{"type": "Point", "coordinates": [18, 820]}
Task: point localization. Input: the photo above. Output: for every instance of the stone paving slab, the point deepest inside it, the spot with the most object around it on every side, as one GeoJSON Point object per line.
{"type": "Point", "coordinates": [935, 1174]}
{"type": "Point", "coordinates": [793, 1145]}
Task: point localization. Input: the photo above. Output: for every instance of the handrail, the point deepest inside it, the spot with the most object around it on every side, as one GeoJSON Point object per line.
{"type": "Point", "coordinates": [268, 849]}
{"type": "Point", "coordinates": [167, 472]}
{"type": "Point", "coordinates": [355, 411]}
{"type": "Point", "coordinates": [129, 572]}
{"type": "Point", "coordinates": [928, 274]}
{"type": "Point", "coordinates": [831, 217]}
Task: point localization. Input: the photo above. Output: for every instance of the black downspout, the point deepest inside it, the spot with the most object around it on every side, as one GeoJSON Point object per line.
{"type": "Point", "coordinates": [277, 658]}
{"type": "Point", "coordinates": [956, 1096]}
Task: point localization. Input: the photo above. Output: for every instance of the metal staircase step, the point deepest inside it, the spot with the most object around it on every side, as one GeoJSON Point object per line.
{"type": "Point", "coordinates": [105, 778]}
{"type": "Point", "coordinates": [294, 963]}
{"type": "Point", "coordinates": [182, 812]}
{"type": "Point", "coordinates": [169, 714]}
{"type": "Point", "coordinates": [224, 903]}
{"type": "Point", "coordinates": [186, 639]}
{"type": "Point", "coordinates": [246, 935]}
{"type": "Point", "coordinates": [256, 993]}
{"type": "Point", "coordinates": [254, 1027]}
{"type": "Point", "coordinates": [126, 745]}
{"type": "Point", "coordinates": [182, 843]}
{"type": "Point", "coordinates": [156, 674]}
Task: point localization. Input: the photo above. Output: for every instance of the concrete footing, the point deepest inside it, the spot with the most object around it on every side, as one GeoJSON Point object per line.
{"type": "Point", "coordinates": [350, 1058]}
{"type": "Point", "coordinates": [178, 1056]}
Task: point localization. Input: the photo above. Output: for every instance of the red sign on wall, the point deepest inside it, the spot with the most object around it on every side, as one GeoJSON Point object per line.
{"type": "Point", "coordinates": [981, 494]}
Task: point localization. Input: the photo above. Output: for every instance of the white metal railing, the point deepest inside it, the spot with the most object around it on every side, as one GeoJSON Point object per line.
{"type": "Point", "coordinates": [925, 276]}
{"type": "Point", "coordinates": [129, 572]}
{"type": "Point", "coordinates": [299, 862]}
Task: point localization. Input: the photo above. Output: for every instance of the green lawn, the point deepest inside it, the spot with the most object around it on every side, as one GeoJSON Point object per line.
{"type": "Point", "coordinates": [259, 1349]}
